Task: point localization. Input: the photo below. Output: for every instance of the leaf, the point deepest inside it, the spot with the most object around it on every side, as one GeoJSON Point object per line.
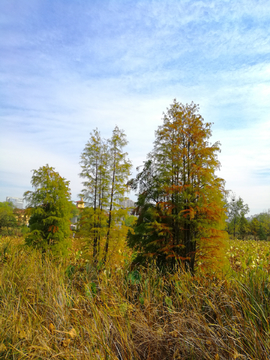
{"type": "Point", "coordinates": [51, 327]}
{"type": "Point", "coordinates": [72, 333]}
{"type": "Point", "coordinates": [141, 299]}
{"type": "Point", "coordinates": [134, 277]}
{"type": "Point", "coordinates": [168, 301]}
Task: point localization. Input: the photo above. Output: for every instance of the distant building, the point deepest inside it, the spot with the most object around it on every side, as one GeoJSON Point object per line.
{"type": "Point", "coordinates": [127, 204]}
{"type": "Point", "coordinates": [17, 202]}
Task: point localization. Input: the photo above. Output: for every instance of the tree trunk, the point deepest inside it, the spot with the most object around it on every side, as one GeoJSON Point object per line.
{"type": "Point", "coordinates": [110, 220]}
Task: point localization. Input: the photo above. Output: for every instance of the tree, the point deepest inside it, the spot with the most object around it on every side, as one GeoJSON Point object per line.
{"type": "Point", "coordinates": [50, 211]}
{"type": "Point", "coordinates": [120, 168]}
{"type": "Point", "coordinates": [260, 226]}
{"type": "Point", "coordinates": [180, 203]}
{"type": "Point", "coordinates": [236, 211]}
{"type": "Point", "coordinates": [7, 217]}
{"type": "Point", "coordinates": [105, 168]}
{"type": "Point", "coordinates": [244, 227]}
{"type": "Point", "coordinates": [254, 228]}
{"type": "Point", "coordinates": [95, 171]}
{"type": "Point", "coordinates": [264, 219]}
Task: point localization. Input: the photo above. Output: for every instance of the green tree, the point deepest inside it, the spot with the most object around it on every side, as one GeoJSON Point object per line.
{"type": "Point", "coordinates": [254, 227]}
{"type": "Point", "coordinates": [105, 168]}
{"type": "Point", "coordinates": [244, 227]}
{"type": "Point", "coordinates": [236, 211]}
{"type": "Point", "coordinates": [264, 219]}
{"type": "Point", "coordinates": [50, 211]}
{"type": "Point", "coordinates": [96, 173]}
{"type": "Point", "coordinates": [130, 220]}
{"type": "Point", "coordinates": [7, 218]}
{"type": "Point", "coordinates": [120, 168]}
{"type": "Point", "coordinates": [180, 203]}
{"type": "Point", "coordinates": [260, 226]}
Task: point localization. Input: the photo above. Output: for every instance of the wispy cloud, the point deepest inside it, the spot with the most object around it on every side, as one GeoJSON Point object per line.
{"type": "Point", "coordinates": [67, 68]}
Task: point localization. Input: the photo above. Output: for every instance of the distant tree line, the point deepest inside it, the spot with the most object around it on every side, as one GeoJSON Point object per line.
{"type": "Point", "coordinates": [239, 226]}
{"type": "Point", "coordinates": [13, 221]}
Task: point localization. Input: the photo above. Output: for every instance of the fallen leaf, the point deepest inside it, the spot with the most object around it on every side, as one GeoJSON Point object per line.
{"type": "Point", "coordinates": [51, 327]}
{"type": "Point", "coordinates": [72, 333]}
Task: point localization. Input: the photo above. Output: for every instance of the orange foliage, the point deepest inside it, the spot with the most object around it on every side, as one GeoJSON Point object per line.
{"type": "Point", "coordinates": [189, 207]}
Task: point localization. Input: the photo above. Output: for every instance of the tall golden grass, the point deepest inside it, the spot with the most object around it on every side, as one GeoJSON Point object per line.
{"type": "Point", "coordinates": [69, 310]}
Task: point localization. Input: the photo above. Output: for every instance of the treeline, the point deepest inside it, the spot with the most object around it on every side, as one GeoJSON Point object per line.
{"type": "Point", "coordinates": [181, 208]}
{"type": "Point", "coordinates": [13, 221]}
{"type": "Point", "coordinates": [239, 226]}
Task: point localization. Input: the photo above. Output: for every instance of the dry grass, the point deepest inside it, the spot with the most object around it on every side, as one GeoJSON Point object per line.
{"type": "Point", "coordinates": [68, 310]}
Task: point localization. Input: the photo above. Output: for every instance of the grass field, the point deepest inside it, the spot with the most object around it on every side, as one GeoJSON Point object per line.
{"type": "Point", "coordinates": [67, 310]}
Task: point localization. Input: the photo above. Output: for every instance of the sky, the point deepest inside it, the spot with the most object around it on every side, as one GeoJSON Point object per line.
{"type": "Point", "coordinates": [70, 66]}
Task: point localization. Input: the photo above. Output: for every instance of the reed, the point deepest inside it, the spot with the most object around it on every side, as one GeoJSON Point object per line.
{"type": "Point", "coordinates": [70, 310]}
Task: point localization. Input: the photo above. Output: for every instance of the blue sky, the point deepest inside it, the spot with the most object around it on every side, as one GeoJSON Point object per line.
{"type": "Point", "coordinates": [69, 66]}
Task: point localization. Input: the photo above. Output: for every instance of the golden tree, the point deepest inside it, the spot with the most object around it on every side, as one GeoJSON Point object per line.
{"type": "Point", "coordinates": [180, 204]}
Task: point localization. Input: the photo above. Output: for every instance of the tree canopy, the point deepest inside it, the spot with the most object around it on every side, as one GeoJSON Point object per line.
{"type": "Point", "coordinates": [236, 211]}
{"type": "Point", "coordinates": [105, 170]}
{"type": "Point", "coordinates": [180, 199]}
{"type": "Point", "coordinates": [50, 210]}
{"type": "Point", "coordinates": [7, 217]}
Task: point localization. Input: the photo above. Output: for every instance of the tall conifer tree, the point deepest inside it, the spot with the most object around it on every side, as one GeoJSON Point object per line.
{"type": "Point", "coordinates": [105, 168]}
{"type": "Point", "coordinates": [95, 171]}
{"type": "Point", "coordinates": [120, 168]}
{"type": "Point", "coordinates": [180, 196]}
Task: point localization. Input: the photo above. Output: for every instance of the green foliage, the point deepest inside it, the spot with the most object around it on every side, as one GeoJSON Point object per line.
{"type": "Point", "coordinates": [257, 227]}
{"type": "Point", "coordinates": [237, 224]}
{"type": "Point", "coordinates": [120, 168]}
{"type": "Point", "coordinates": [262, 233]}
{"type": "Point", "coordinates": [260, 226]}
{"type": "Point", "coordinates": [105, 169]}
{"type": "Point", "coordinates": [93, 227]}
{"type": "Point", "coordinates": [134, 277]}
{"type": "Point", "coordinates": [95, 171]}
{"type": "Point", "coordinates": [7, 218]}
{"type": "Point", "coordinates": [130, 220]}
{"type": "Point", "coordinates": [50, 209]}
{"type": "Point", "coordinates": [180, 204]}
{"type": "Point", "coordinates": [143, 239]}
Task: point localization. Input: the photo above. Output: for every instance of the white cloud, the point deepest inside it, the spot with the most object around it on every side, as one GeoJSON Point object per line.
{"type": "Point", "coordinates": [64, 73]}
